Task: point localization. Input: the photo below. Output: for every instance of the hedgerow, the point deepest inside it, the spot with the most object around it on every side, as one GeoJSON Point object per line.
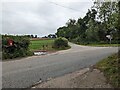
{"type": "Point", "coordinates": [20, 47]}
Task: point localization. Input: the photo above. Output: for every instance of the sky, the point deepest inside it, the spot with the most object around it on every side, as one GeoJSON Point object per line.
{"type": "Point", "coordinates": [40, 17]}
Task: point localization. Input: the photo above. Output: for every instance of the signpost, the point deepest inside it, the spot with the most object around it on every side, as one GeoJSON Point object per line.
{"type": "Point", "coordinates": [109, 37]}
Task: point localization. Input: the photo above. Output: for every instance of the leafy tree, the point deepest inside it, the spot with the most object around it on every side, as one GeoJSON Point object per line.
{"type": "Point", "coordinates": [107, 13]}
{"type": "Point", "coordinates": [100, 20]}
{"type": "Point", "coordinates": [92, 31]}
{"type": "Point", "coordinates": [35, 36]}
{"type": "Point", "coordinates": [32, 36]}
{"type": "Point", "coordinates": [61, 32]}
{"type": "Point", "coordinates": [51, 36]}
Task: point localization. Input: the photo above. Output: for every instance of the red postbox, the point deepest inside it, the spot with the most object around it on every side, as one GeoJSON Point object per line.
{"type": "Point", "coordinates": [10, 42]}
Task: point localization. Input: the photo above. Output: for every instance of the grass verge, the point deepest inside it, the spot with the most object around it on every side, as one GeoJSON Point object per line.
{"type": "Point", "coordinates": [111, 68]}
{"type": "Point", "coordinates": [104, 45]}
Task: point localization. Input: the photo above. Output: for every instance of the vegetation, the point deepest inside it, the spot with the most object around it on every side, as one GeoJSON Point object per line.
{"type": "Point", "coordinates": [111, 69]}
{"type": "Point", "coordinates": [103, 45]}
{"type": "Point", "coordinates": [21, 46]}
{"type": "Point", "coordinates": [17, 47]}
{"type": "Point", "coordinates": [43, 44]}
{"type": "Point", "coordinates": [49, 44]}
{"type": "Point", "coordinates": [99, 21]}
{"type": "Point", "coordinates": [61, 43]}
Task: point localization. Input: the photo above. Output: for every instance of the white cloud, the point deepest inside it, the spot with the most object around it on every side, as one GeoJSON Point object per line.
{"type": "Point", "coordinates": [39, 18]}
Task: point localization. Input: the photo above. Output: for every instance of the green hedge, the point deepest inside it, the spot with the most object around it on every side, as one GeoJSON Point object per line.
{"type": "Point", "coordinates": [60, 43]}
{"type": "Point", "coordinates": [20, 48]}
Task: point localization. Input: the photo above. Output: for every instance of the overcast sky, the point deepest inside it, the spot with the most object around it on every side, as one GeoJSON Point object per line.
{"type": "Point", "coordinates": [40, 17]}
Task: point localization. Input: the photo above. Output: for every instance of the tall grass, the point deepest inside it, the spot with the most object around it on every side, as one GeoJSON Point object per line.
{"type": "Point", "coordinates": [111, 68]}
{"type": "Point", "coordinates": [41, 44]}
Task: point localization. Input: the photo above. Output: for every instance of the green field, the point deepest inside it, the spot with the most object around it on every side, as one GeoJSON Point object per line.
{"type": "Point", "coordinates": [41, 44]}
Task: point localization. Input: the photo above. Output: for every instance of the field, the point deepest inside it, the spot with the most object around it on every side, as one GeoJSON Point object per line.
{"type": "Point", "coordinates": [41, 44]}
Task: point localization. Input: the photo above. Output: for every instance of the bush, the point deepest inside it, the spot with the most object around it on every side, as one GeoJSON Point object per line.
{"type": "Point", "coordinates": [20, 47]}
{"type": "Point", "coordinates": [60, 43]}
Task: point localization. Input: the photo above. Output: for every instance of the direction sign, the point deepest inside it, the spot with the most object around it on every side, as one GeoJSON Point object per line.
{"type": "Point", "coordinates": [109, 36]}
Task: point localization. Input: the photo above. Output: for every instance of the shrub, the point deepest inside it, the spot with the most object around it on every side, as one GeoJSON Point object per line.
{"type": "Point", "coordinates": [60, 43]}
{"type": "Point", "coordinates": [20, 47]}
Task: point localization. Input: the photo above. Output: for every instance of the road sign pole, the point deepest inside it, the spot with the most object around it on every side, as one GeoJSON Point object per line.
{"type": "Point", "coordinates": [110, 41]}
{"type": "Point", "coordinates": [110, 38]}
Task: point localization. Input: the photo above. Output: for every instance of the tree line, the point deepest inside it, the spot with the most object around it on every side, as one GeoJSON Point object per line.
{"type": "Point", "coordinates": [99, 21]}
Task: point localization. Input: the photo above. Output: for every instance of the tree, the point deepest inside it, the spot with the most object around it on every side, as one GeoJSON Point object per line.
{"type": "Point", "coordinates": [107, 13]}
{"type": "Point", "coordinates": [32, 36]}
{"type": "Point", "coordinates": [71, 22]}
{"type": "Point", "coordinates": [100, 20]}
{"type": "Point", "coordinates": [35, 36]}
{"type": "Point", "coordinates": [61, 32]}
{"type": "Point", "coordinates": [51, 36]}
{"type": "Point", "coordinates": [92, 31]}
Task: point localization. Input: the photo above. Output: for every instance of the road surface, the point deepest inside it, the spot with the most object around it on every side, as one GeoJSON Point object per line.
{"type": "Point", "coordinates": [26, 72]}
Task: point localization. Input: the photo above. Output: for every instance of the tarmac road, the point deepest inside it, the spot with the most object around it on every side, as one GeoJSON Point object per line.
{"type": "Point", "coordinates": [26, 72]}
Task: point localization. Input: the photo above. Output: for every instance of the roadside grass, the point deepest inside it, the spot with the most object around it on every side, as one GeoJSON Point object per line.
{"type": "Point", "coordinates": [45, 44]}
{"type": "Point", "coordinates": [111, 68]}
{"type": "Point", "coordinates": [103, 45]}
